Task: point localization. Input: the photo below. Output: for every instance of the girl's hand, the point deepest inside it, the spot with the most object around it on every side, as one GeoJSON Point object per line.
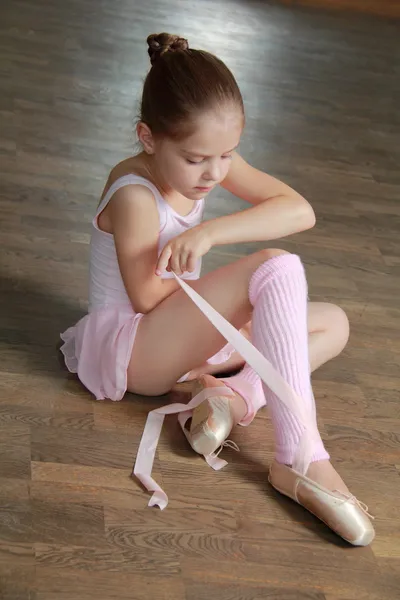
{"type": "Point", "coordinates": [182, 252]}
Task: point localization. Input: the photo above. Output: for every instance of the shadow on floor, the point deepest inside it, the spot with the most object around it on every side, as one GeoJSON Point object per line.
{"type": "Point", "coordinates": [31, 319]}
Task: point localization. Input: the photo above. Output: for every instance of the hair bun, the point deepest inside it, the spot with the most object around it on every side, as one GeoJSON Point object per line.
{"type": "Point", "coordinates": [160, 43]}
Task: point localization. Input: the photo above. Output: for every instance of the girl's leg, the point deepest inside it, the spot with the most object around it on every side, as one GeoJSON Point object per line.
{"type": "Point", "coordinates": [280, 330]}
{"type": "Point", "coordinates": [278, 293]}
{"type": "Point", "coordinates": [176, 337]}
{"type": "Point", "coordinates": [328, 328]}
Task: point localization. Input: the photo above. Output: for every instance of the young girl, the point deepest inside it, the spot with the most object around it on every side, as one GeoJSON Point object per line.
{"type": "Point", "coordinates": [143, 333]}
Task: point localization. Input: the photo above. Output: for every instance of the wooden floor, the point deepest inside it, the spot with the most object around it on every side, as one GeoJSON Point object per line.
{"type": "Point", "coordinates": [322, 93]}
{"type": "Point", "coordinates": [387, 8]}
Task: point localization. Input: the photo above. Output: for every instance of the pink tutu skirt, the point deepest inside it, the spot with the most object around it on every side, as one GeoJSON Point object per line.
{"type": "Point", "coordinates": [99, 347]}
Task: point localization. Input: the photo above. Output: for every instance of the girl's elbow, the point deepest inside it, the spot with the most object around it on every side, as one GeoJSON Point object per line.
{"type": "Point", "coordinates": [143, 302]}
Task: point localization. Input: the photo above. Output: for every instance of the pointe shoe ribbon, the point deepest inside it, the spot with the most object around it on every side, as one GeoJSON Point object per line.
{"type": "Point", "coordinates": [151, 434]}
{"type": "Point", "coordinates": [228, 444]}
{"type": "Point", "coordinates": [351, 498]}
{"type": "Point", "coordinates": [270, 376]}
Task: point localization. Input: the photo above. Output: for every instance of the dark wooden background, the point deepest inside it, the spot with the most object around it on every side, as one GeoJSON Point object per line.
{"type": "Point", "coordinates": [322, 97]}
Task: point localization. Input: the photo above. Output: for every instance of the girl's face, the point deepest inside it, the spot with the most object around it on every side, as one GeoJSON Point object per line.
{"type": "Point", "coordinates": [195, 165]}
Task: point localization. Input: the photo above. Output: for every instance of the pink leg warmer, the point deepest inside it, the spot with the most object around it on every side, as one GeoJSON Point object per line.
{"type": "Point", "coordinates": [278, 293]}
{"type": "Point", "coordinates": [248, 385]}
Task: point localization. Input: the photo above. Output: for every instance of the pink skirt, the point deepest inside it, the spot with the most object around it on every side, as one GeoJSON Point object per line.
{"type": "Point", "coordinates": [99, 347]}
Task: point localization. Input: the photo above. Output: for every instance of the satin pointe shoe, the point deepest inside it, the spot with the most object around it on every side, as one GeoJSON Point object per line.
{"type": "Point", "coordinates": [343, 513]}
{"type": "Point", "coordinates": [212, 420]}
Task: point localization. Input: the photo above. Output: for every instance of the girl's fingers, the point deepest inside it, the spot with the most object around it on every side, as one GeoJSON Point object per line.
{"type": "Point", "coordinates": [183, 261]}
{"type": "Point", "coordinates": [163, 260]}
{"type": "Point", "coordinates": [191, 262]}
{"type": "Point", "coordinates": [174, 263]}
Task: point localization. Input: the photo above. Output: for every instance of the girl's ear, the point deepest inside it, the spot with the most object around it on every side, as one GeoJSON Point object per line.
{"type": "Point", "coordinates": [145, 136]}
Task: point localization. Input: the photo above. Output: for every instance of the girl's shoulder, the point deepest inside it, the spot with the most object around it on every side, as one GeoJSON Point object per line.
{"type": "Point", "coordinates": [130, 166]}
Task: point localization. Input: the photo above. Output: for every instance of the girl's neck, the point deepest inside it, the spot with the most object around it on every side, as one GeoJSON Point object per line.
{"type": "Point", "coordinates": [152, 173]}
{"type": "Point", "coordinates": [145, 166]}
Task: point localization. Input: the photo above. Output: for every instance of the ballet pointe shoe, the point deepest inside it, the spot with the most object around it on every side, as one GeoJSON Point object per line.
{"type": "Point", "coordinates": [343, 513]}
{"type": "Point", "coordinates": [212, 420]}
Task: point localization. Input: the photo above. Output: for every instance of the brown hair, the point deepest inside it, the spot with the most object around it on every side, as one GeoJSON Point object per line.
{"type": "Point", "coordinates": [181, 84]}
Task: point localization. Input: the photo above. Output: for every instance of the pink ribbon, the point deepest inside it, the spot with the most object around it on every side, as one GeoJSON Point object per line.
{"type": "Point", "coordinates": [151, 434]}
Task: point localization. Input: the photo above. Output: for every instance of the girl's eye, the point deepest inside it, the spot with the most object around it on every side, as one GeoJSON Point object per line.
{"type": "Point", "coordinates": [198, 162]}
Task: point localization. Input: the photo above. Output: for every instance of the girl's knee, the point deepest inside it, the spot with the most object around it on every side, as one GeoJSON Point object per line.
{"type": "Point", "coordinates": [339, 324]}
{"type": "Point", "coordinates": [264, 255]}
{"type": "Point", "coordinates": [249, 264]}
{"type": "Point", "coordinates": [268, 253]}
{"type": "Point", "coordinates": [341, 320]}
